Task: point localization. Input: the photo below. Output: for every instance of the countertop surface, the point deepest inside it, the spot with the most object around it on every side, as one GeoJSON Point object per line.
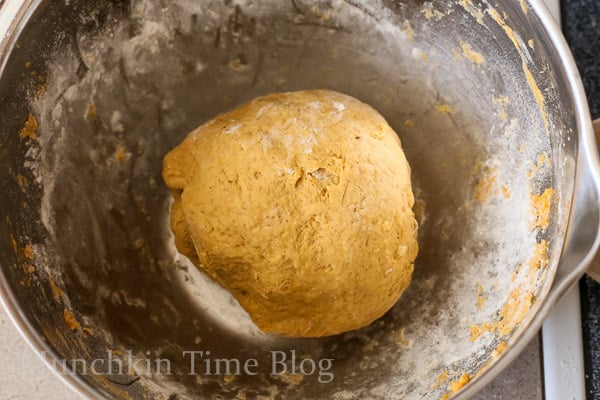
{"type": "Point", "coordinates": [24, 376]}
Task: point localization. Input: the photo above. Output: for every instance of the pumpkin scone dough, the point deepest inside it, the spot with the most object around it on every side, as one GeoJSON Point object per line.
{"type": "Point", "coordinates": [300, 204]}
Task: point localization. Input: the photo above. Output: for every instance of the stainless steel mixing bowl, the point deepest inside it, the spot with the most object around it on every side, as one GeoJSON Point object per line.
{"type": "Point", "coordinates": [491, 112]}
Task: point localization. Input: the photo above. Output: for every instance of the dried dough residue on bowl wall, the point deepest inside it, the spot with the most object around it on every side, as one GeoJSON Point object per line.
{"type": "Point", "coordinates": [476, 135]}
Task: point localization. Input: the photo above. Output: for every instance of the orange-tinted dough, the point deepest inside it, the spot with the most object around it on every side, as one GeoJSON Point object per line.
{"type": "Point", "coordinates": [300, 204]}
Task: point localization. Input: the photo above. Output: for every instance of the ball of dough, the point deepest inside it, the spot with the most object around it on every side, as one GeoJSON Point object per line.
{"type": "Point", "coordinates": [300, 204]}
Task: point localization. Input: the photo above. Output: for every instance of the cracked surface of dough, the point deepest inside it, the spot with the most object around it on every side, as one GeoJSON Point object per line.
{"type": "Point", "coordinates": [300, 204]}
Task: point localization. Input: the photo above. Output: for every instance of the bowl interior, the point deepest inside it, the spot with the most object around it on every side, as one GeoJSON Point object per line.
{"type": "Point", "coordinates": [474, 90]}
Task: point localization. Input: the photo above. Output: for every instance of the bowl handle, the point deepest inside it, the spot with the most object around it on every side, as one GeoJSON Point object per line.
{"type": "Point", "coordinates": [594, 267]}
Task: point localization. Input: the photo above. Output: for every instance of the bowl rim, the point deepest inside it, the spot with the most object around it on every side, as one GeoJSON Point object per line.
{"type": "Point", "coordinates": [14, 16]}
{"type": "Point", "coordinates": [587, 163]}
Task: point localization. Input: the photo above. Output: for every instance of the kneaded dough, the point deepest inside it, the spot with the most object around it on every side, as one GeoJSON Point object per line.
{"type": "Point", "coordinates": [300, 204]}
